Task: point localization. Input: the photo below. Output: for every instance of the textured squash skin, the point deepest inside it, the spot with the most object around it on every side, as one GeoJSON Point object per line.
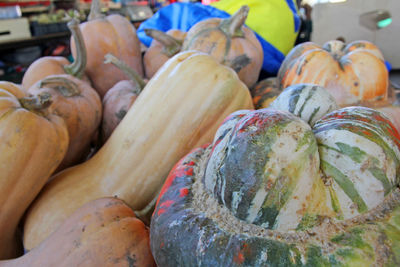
{"type": "Point", "coordinates": [112, 34]}
{"type": "Point", "coordinates": [354, 74]}
{"type": "Point", "coordinates": [204, 227]}
{"type": "Point", "coordinates": [170, 117]}
{"type": "Point", "coordinates": [104, 232]}
{"type": "Point", "coordinates": [181, 233]}
{"type": "Point", "coordinates": [79, 105]}
{"type": "Point", "coordinates": [32, 146]}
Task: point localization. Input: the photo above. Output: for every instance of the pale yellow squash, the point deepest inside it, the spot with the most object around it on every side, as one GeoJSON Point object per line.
{"type": "Point", "coordinates": [180, 108]}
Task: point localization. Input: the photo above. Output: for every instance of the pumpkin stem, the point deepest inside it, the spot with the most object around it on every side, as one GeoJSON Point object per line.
{"type": "Point", "coordinates": [171, 46]}
{"type": "Point", "coordinates": [36, 103]}
{"type": "Point", "coordinates": [63, 85]}
{"type": "Point", "coordinates": [95, 11]}
{"type": "Point", "coordinates": [233, 25]}
{"type": "Point", "coordinates": [240, 62]}
{"type": "Point", "coordinates": [131, 73]}
{"type": "Point", "coordinates": [77, 68]}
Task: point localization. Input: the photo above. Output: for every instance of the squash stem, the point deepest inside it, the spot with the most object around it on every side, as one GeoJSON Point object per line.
{"type": "Point", "coordinates": [63, 85]}
{"type": "Point", "coordinates": [77, 68]}
{"type": "Point", "coordinates": [233, 25]}
{"type": "Point", "coordinates": [95, 11]}
{"type": "Point", "coordinates": [131, 73]}
{"type": "Point", "coordinates": [36, 103]}
{"type": "Point", "coordinates": [171, 46]}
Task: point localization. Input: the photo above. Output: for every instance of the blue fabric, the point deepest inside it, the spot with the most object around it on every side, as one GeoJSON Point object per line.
{"type": "Point", "coordinates": [183, 16]}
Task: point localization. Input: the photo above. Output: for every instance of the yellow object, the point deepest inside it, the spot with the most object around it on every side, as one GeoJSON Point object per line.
{"type": "Point", "coordinates": [273, 20]}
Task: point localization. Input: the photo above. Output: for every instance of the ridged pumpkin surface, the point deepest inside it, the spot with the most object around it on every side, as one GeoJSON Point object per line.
{"type": "Point", "coordinates": [209, 212]}
{"type": "Point", "coordinates": [33, 143]}
{"type": "Point", "coordinates": [180, 108]}
{"type": "Point", "coordinates": [353, 74]}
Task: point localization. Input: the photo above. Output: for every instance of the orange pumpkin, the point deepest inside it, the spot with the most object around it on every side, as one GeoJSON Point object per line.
{"type": "Point", "coordinates": [79, 105]}
{"type": "Point", "coordinates": [33, 143]}
{"type": "Point", "coordinates": [264, 92]}
{"type": "Point", "coordinates": [119, 98]}
{"type": "Point", "coordinates": [353, 73]}
{"type": "Point", "coordinates": [52, 65]}
{"type": "Point", "coordinates": [104, 232]}
{"type": "Point", "coordinates": [162, 48]}
{"type": "Point", "coordinates": [112, 34]}
{"type": "Point", "coordinates": [230, 42]}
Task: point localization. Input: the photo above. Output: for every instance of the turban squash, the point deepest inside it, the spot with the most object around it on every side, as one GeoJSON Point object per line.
{"type": "Point", "coordinates": [273, 191]}
{"type": "Point", "coordinates": [354, 73]}
{"type": "Point", "coordinates": [170, 117]}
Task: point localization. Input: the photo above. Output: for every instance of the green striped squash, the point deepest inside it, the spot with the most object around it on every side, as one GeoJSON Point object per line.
{"type": "Point", "coordinates": [264, 167]}
{"type": "Point", "coordinates": [359, 153]}
{"type": "Point", "coordinates": [308, 101]}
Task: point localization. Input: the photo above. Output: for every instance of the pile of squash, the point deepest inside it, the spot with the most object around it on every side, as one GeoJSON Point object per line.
{"type": "Point", "coordinates": [181, 157]}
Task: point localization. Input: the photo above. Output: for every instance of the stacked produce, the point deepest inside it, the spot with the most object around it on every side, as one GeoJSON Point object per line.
{"type": "Point", "coordinates": [301, 169]}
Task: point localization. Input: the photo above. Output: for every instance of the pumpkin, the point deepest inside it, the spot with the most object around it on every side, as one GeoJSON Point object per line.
{"type": "Point", "coordinates": [264, 92]}
{"type": "Point", "coordinates": [230, 42]}
{"type": "Point", "coordinates": [162, 48]}
{"type": "Point", "coordinates": [79, 105]}
{"type": "Point", "coordinates": [256, 195]}
{"type": "Point", "coordinates": [111, 34]}
{"type": "Point", "coordinates": [172, 115]}
{"type": "Point", "coordinates": [120, 97]}
{"type": "Point", "coordinates": [104, 232]}
{"type": "Point", "coordinates": [53, 65]}
{"type": "Point", "coordinates": [33, 143]}
{"type": "Point", "coordinates": [355, 74]}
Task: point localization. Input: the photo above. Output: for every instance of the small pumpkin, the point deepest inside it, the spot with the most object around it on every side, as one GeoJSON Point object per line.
{"type": "Point", "coordinates": [104, 232]}
{"type": "Point", "coordinates": [53, 65]}
{"type": "Point", "coordinates": [79, 105]}
{"type": "Point", "coordinates": [120, 97]}
{"type": "Point", "coordinates": [33, 143]}
{"type": "Point", "coordinates": [229, 41]}
{"type": "Point", "coordinates": [176, 111]}
{"type": "Point", "coordinates": [111, 34]}
{"type": "Point", "coordinates": [256, 197]}
{"type": "Point", "coordinates": [162, 48]}
{"type": "Point", "coordinates": [264, 92]}
{"type": "Point", "coordinates": [354, 73]}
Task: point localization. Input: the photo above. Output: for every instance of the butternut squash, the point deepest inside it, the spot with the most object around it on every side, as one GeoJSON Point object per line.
{"type": "Point", "coordinates": [180, 108]}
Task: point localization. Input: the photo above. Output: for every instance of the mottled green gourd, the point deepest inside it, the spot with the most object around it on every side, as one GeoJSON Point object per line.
{"type": "Point", "coordinates": [273, 191]}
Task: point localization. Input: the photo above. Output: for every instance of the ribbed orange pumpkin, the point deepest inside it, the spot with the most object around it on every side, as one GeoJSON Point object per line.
{"type": "Point", "coordinates": [104, 232]}
{"type": "Point", "coordinates": [52, 65]}
{"type": "Point", "coordinates": [112, 34]}
{"type": "Point", "coordinates": [162, 48]}
{"type": "Point", "coordinates": [79, 105]}
{"type": "Point", "coordinates": [33, 143]}
{"type": "Point", "coordinates": [230, 42]}
{"type": "Point", "coordinates": [353, 73]}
